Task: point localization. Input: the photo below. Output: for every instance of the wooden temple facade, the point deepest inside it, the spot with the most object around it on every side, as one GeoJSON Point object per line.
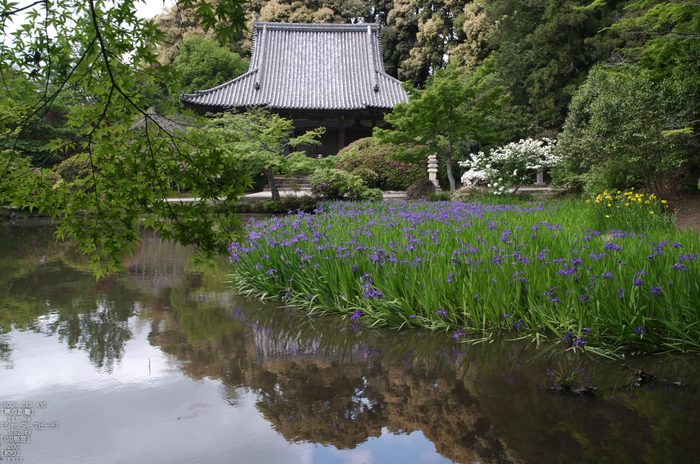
{"type": "Point", "coordinates": [329, 75]}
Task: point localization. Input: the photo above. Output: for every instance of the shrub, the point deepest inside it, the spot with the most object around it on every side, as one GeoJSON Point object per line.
{"type": "Point", "coordinates": [370, 177]}
{"type": "Point", "coordinates": [272, 207]}
{"type": "Point", "coordinates": [284, 205]}
{"type": "Point", "coordinates": [420, 189]}
{"type": "Point", "coordinates": [374, 195]}
{"type": "Point", "coordinates": [439, 196]}
{"type": "Point", "coordinates": [369, 154]}
{"type": "Point", "coordinates": [304, 203]}
{"type": "Point", "coordinates": [298, 163]}
{"type": "Point", "coordinates": [74, 168]}
{"type": "Point", "coordinates": [510, 166]}
{"type": "Point", "coordinates": [471, 193]}
{"type": "Point", "coordinates": [336, 184]}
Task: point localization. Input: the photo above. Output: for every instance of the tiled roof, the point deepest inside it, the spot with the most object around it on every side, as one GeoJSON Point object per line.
{"type": "Point", "coordinates": [310, 66]}
{"type": "Point", "coordinates": [154, 122]}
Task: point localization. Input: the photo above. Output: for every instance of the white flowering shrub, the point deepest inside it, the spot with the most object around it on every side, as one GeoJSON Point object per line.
{"type": "Point", "coordinates": [510, 166]}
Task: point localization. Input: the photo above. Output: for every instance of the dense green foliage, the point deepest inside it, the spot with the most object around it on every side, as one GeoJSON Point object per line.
{"type": "Point", "coordinates": [664, 39]}
{"type": "Point", "coordinates": [543, 51]}
{"type": "Point", "coordinates": [452, 110]}
{"type": "Point", "coordinates": [49, 122]}
{"type": "Point", "coordinates": [263, 141]}
{"type": "Point", "coordinates": [664, 35]}
{"type": "Point", "coordinates": [372, 161]}
{"type": "Point", "coordinates": [204, 64]}
{"type": "Point", "coordinates": [103, 54]}
{"type": "Point", "coordinates": [181, 20]}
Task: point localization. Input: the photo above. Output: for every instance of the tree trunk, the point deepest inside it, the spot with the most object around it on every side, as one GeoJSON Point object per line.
{"type": "Point", "coordinates": [269, 173]}
{"type": "Point", "coordinates": [448, 161]}
{"type": "Point", "coordinates": [515, 190]}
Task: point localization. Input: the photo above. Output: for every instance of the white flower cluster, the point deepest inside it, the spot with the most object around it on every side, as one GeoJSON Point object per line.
{"type": "Point", "coordinates": [480, 169]}
{"type": "Point", "coordinates": [511, 165]}
{"type": "Point", "coordinates": [533, 154]}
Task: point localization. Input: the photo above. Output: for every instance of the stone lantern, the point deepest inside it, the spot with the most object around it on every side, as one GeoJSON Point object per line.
{"type": "Point", "coordinates": [432, 171]}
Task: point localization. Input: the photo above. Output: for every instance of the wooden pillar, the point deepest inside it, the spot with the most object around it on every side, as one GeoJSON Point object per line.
{"type": "Point", "coordinates": [341, 134]}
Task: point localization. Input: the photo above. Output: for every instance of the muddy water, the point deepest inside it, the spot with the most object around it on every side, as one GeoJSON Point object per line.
{"type": "Point", "coordinates": [163, 363]}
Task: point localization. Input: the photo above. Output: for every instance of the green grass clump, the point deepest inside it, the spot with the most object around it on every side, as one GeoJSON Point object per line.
{"type": "Point", "coordinates": [630, 211]}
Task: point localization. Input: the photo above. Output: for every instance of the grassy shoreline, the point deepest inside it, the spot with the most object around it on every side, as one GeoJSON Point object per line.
{"type": "Point", "coordinates": [533, 270]}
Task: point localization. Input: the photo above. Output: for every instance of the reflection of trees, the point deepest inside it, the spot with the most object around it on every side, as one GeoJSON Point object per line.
{"type": "Point", "coordinates": [24, 247]}
{"type": "Point", "coordinates": [5, 349]}
{"type": "Point", "coordinates": [102, 332]}
{"type": "Point", "coordinates": [321, 402]}
{"type": "Point", "coordinates": [43, 289]}
{"type": "Point", "coordinates": [343, 404]}
{"type": "Point", "coordinates": [26, 244]}
{"type": "Point", "coordinates": [85, 313]}
{"type": "Point", "coordinates": [323, 382]}
{"type": "Point", "coordinates": [156, 265]}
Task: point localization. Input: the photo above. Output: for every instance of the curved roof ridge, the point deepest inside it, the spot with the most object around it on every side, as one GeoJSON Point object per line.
{"type": "Point", "coordinates": [315, 26]}
{"type": "Point", "coordinates": [389, 76]}
{"type": "Point", "coordinates": [219, 87]}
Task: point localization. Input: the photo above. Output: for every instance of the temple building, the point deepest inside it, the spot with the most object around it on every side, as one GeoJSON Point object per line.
{"type": "Point", "coordinates": [329, 75]}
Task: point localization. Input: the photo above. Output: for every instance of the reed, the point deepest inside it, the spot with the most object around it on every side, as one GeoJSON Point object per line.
{"type": "Point", "coordinates": [533, 269]}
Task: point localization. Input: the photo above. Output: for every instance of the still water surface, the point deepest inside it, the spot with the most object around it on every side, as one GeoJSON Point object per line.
{"type": "Point", "coordinates": [164, 364]}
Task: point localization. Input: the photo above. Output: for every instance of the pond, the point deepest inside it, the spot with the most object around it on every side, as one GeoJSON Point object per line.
{"type": "Point", "coordinates": [165, 364]}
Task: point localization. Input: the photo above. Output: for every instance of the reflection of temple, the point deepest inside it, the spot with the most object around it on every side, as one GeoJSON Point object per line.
{"type": "Point", "coordinates": [338, 395]}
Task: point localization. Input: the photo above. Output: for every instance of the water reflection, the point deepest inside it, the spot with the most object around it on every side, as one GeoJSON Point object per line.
{"type": "Point", "coordinates": [322, 383]}
{"type": "Point", "coordinates": [328, 382]}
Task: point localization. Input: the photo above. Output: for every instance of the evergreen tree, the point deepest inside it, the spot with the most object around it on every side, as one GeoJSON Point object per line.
{"type": "Point", "coordinates": [623, 130]}
{"type": "Point", "coordinates": [544, 52]}
{"type": "Point", "coordinates": [204, 64]}
{"type": "Point", "coordinates": [664, 38]}
{"type": "Point", "coordinates": [419, 37]}
{"type": "Point", "coordinates": [179, 21]}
